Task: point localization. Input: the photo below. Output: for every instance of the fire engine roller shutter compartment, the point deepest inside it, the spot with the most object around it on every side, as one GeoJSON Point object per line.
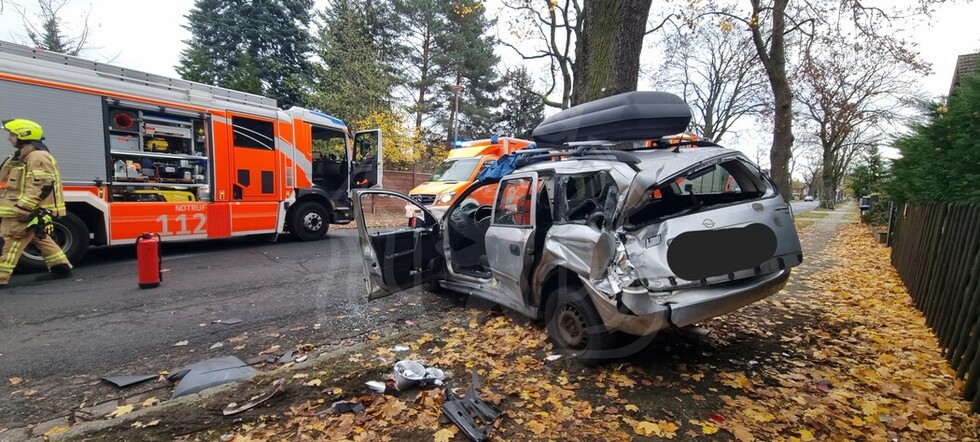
{"type": "Point", "coordinates": [73, 132]}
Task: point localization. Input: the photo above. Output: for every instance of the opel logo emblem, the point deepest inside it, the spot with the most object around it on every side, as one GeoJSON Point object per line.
{"type": "Point", "coordinates": [708, 223]}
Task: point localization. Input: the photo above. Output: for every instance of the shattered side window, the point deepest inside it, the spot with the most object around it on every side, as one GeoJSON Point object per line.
{"type": "Point", "coordinates": [514, 203]}
{"type": "Point", "coordinates": [585, 197]}
{"type": "Point", "coordinates": [700, 188]}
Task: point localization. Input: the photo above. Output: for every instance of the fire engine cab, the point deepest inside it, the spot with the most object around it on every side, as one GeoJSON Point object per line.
{"type": "Point", "coordinates": [145, 153]}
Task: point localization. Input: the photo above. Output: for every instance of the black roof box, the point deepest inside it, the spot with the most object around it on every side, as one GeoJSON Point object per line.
{"type": "Point", "coordinates": [625, 117]}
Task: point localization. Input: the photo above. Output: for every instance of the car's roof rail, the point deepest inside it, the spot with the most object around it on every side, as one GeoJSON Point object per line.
{"type": "Point", "coordinates": [576, 152]}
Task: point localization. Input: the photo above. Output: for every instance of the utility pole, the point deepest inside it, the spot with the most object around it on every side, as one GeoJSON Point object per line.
{"type": "Point", "coordinates": [457, 88]}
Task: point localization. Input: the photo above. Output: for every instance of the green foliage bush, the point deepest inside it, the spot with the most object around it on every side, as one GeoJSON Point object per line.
{"type": "Point", "coordinates": [877, 215]}
{"type": "Point", "coordinates": [941, 157]}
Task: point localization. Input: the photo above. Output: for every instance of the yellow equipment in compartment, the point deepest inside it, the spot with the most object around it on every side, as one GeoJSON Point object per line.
{"type": "Point", "coordinates": [157, 145]}
{"type": "Point", "coordinates": [170, 196]}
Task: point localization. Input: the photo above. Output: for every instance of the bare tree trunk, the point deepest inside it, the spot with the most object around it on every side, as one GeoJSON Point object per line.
{"type": "Point", "coordinates": [608, 53]}
{"type": "Point", "coordinates": [828, 191]}
{"type": "Point", "coordinates": [774, 60]}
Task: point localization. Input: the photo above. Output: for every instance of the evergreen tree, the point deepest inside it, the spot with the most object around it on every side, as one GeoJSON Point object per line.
{"type": "Point", "coordinates": [356, 76]}
{"type": "Point", "coordinates": [522, 109]}
{"type": "Point", "coordinates": [941, 158]}
{"type": "Point", "coordinates": [272, 32]}
{"type": "Point", "coordinates": [44, 28]}
{"type": "Point", "coordinates": [423, 24]}
{"type": "Point", "coordinates": [468, 59]}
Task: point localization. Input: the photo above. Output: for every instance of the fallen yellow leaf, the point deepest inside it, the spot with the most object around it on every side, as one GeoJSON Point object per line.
{"type": "Point", "coordinates": [15, 381]}
{"type": "Point", "coordinates": [314, 383]}
{"type": "Point", "coordinates": [121, 410]}
{"type": "Point", "coordinates": [56, 430]}
{"type": "Point", "coordinates": [631, 407]}
{"type": "Point", "coordinates": [151, 402]}
{"type": "Point", "coordinates": [646, 428]}
{"type": "Point", "coordinates": [932, 425]}
{"type": "Point", "coordinates": [152, 423]}
{"type": "Point", "coordinates": [805, 435]}
{"type": "Point", "coordinates": [443, 435]}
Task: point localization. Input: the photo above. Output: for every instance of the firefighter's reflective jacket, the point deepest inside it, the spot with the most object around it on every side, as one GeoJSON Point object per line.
{"type": "Point", "coordinates": [32, 181]}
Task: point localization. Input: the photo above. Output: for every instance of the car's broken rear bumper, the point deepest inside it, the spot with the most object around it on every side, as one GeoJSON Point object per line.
{"type": "Point", "coordinates": [652, 313]}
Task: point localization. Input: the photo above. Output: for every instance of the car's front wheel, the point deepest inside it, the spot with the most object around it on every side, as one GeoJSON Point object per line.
{"type": "Point", "coordinates": [575, 326]}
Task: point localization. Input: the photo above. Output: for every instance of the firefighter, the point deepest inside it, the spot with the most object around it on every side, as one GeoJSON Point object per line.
{"type": "Point", "coordinates": [32, 197]}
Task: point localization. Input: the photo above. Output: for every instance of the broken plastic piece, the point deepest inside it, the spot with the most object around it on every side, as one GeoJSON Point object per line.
{"type": "Point", "coordinates": [274, 389]}
{"type": "Point", "coordinates": [552, 358]}
{"type": "Point", "coordinates": [230, 321]}
{"type": "Point", "coordinates": [341, 407]}
{"type": "Point", "coordinates": [399, 348]}
{"type": "Point", "coordinates": [376, 386]}
{"type": "Point", "coordinates": [210, 373]}
{"type": "Point", "coordinates": [125, 381]}
{"type": "Point", "coordinates": [465, 411]}
{"type": "Point", "coordinates": [288, 357]}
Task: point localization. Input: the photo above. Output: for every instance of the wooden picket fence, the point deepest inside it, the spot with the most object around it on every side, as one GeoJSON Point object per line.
{"type": "Point", "coordinates": [936, 250]}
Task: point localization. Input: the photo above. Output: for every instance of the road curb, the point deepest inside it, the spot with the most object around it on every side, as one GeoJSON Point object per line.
{"type": "Point", "coordinates": [81, 430]}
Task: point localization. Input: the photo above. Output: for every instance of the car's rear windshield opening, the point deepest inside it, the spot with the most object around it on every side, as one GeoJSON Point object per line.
{"type": "Point", "coordinates": [699, 189]}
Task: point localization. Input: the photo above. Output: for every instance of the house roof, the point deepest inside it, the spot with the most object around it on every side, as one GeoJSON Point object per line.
{"type": "Point", "coordinates": [965, 65]}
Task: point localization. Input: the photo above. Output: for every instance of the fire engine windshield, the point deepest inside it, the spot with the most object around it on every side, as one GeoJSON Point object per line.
{"type": "Point", "coordinates": [455, 170]}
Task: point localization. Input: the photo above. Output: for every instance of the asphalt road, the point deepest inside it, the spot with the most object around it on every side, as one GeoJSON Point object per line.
{"type": "Point", "coordinates": [59, 337]}
{"type": "Point", "coordinates": [804, 206]}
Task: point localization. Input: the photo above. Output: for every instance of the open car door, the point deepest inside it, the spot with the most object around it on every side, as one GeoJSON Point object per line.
{"type": "Point", "coordinates": [397, 257]}
{"type": "Point", "coordinates": [366, 167]}
{"type": "Point", "coordinates": [509, 238]}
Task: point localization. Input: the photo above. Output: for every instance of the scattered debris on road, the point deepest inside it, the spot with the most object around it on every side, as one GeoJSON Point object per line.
{"type": "Point", "coordinates": [467, 410]}
{"type": "Point", "coordinates": [275, 388]}
{"type": "Point", "coordinates": [210, 373]}
{"type": "Point", "coordinates": [125, 381]}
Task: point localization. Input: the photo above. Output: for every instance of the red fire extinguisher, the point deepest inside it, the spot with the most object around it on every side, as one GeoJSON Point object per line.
{"type": "Point", "coordinates": [148, 260]}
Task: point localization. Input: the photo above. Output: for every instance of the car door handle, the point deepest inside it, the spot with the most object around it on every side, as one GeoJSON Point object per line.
{"type": "Point", "coordinates": [514, 250]}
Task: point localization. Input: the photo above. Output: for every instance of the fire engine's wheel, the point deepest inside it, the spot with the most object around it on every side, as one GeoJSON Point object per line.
{"type": "Point", "coordinates": [309, 221]}
{"type": "Point", "coordinates": [70, 232]}
{"type": "Point", "coordinates": [575, 326]}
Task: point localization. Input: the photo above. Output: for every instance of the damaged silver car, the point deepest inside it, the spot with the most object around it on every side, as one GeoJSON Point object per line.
{"type": "Point", "coordinates": [598, 229]}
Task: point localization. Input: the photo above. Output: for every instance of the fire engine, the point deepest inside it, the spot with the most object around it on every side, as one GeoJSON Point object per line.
{"type": "Point", "coordinates": [142, 153]}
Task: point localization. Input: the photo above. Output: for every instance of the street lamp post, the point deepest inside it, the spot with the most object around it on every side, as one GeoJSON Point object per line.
{"type": "Point", "coordinates": [457, 88]}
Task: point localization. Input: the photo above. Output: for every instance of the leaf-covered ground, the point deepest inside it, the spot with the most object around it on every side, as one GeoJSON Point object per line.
{"type": "Point", "coordinates": [840, 354]}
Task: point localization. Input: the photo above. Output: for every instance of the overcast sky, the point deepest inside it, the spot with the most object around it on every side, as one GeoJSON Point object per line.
{"type": "Point", "coordinates": [149, 37]}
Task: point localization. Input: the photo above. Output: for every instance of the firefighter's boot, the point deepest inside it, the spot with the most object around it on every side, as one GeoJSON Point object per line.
{"type": "Point", "coordinates": [59, 271]}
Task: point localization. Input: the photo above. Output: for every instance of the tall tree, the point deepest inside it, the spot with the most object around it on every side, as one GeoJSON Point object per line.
{"type": "Point", "coordinates": [607, 54]}
{"type": "Point", "coordinates": [423, 24]}
{"type": "Point", "coordinates": [45, 28]}
{"type": "Point", "coordinates": [522, 109]}
{"type": "Point", "coordinates": [771, 22]}
{"type": "Point", "coordinates": [272, 32]}
{"type": "Point", "coordinates": [467, 59]}
{"type": "Point", "coordinates": [715, 69]}
{"type": "Point", "coordinates": [554, 27]}
{"type": "Point", "coordinates": [850, 92]}
{"type": "Point", "coordinates": [355, 77]}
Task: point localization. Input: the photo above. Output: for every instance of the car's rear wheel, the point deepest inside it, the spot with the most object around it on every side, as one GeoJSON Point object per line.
{"type": "Point", "coordinates": [575, 326]}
